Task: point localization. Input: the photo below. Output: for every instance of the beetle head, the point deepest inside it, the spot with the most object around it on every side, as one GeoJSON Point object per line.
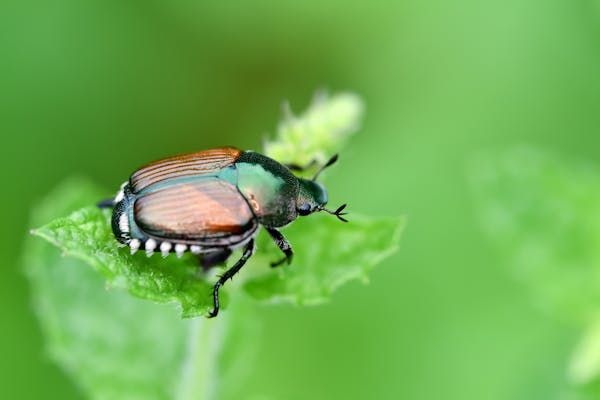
{"type": "Point", "coordinates": [312, 196]}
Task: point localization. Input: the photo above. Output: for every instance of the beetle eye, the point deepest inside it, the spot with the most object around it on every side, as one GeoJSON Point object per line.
{"type": "Point", "coordinates": [304, 209]}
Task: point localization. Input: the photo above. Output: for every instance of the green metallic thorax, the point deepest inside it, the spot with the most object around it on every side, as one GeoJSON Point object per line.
{"type": "Point", "coordinates": [270, 188]}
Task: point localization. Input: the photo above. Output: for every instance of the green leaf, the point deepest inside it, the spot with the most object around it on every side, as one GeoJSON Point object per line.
{"type": "Point", "coordinates": [117, 346]}
{"type": "Point", "coordinates": [542, 212]}
{"type": "Point", "coordinates": [86, 234]}
{"type": "Point", "coordinates": [329, 254]}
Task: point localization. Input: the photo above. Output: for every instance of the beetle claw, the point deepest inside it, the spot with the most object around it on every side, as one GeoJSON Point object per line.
{"type": "Point", "coordinates": [338, 213]}
{"type": "Point", "coordinates": [283, 260]}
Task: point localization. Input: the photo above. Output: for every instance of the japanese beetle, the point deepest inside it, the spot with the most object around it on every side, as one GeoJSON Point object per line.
{"type": "Point", "coordinates": [211, 203]}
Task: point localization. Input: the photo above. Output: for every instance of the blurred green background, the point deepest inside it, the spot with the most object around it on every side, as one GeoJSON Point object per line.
{"type": "Point", "coordinates": [100, 87]}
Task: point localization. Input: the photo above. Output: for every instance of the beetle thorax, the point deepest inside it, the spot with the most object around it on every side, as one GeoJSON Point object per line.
{"type": "Point", "coordinates": [269, 188]}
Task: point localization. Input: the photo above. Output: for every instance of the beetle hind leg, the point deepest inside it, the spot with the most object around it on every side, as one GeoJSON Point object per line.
{"type": "Point", "coordinates": [248, 251]}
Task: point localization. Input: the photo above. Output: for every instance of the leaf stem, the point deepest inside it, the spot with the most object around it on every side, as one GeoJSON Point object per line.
{"type": "Point", "coordinates": [199, 375]}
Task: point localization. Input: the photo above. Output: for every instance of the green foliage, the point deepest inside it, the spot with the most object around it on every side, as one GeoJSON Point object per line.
{"type": "Point", "coordinates": [115, 345]}
{"type": "Point", "coordinates": [544, 213]}
{"type": "Point", "coordinates": [328, 252]}
{"type": "Point", "coordinates": [319, 132]}
{"type": "Point", "coordinates": [86, 234]}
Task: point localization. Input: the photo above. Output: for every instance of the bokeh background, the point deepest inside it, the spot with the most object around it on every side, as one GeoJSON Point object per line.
{"type": "Point", "coordinates": [100, 87]}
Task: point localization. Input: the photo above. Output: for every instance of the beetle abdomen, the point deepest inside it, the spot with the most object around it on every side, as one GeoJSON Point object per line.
{"type": "Point", "coordinates": [160, 227]}
{"type": "Point", "coordinates": [180, 203]}
{"type": "Point", "coordinates": [203, 210]}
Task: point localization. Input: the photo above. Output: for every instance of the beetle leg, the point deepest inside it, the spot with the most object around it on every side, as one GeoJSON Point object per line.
{"type": "Point", "coordinates": [248, 251]}
{"type": "Point", "coordinates": [301, 168]}
{"type": "Point", "coordinates": [283, 244]}
{"type": "Point", "coordinates": [108, 203]}
{"type": "Point", "coordinates": [208, 260]}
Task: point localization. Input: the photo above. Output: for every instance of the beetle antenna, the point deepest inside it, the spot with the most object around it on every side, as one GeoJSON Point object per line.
{"type": "Point", "coordinates": [338, 213]}
{"type": "Point", "coordinates": [109, 203]}
{"type": "Point", "coordinates": [327, 164]}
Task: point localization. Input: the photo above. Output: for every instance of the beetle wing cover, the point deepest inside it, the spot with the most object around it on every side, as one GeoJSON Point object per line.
{"type": "Point", "coordinates": [199, 211]}
{"type": "Point", "coordinates": [205, 162]}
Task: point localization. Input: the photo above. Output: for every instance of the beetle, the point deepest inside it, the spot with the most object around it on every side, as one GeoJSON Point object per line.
{"type": "Point", "coordinates": [212, 202]}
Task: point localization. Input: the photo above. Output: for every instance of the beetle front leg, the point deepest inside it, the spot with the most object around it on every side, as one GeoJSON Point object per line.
{"type": "Point", "coordinates": [301, 168]}
{"type": "Point", "coordinates": [248, 251]}
{"type": "Point", "coordinates": [283, 244]}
